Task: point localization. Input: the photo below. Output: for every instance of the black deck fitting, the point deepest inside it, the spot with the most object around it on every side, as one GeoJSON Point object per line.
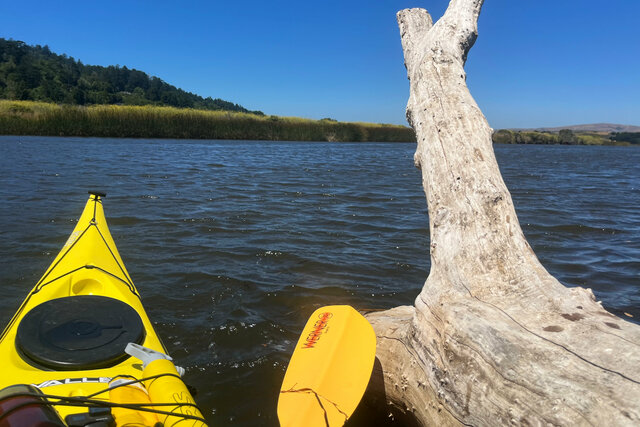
{"type": "Point", "coordinates": [97, 193]}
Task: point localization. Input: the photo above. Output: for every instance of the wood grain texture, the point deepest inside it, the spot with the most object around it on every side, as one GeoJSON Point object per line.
{"type": "Point", "coordinates": [493, 338]}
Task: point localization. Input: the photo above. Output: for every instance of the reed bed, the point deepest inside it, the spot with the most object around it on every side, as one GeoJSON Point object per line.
{"type": "Point", "coordinates": [115, 121]}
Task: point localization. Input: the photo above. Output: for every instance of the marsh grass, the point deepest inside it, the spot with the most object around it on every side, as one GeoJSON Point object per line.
{"type": "Point", "coordinates": [37, 118]}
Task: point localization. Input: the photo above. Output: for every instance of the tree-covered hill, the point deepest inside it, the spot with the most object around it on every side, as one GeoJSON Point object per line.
{"type": "Point", "coordinates": [35, 73]}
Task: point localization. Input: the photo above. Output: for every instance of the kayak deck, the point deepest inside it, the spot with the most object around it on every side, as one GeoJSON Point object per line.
{"type": "Point", "coordinates": [68, 337]}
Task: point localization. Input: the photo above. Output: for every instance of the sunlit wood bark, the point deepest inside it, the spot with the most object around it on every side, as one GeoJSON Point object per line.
{"type": "Point", "coordinates": [493, 338]}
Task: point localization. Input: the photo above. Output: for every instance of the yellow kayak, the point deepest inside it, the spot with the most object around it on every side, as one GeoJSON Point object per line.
{"type": "Point", "coordinates": [81, 351]}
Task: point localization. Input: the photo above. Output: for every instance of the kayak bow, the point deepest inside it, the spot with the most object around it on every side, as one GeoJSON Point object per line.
{"type": "Point", "coordinates": [65, 346]}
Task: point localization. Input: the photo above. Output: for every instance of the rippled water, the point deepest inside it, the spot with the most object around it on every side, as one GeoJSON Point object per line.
{"type": "Point", "coordinates": [233, 244]}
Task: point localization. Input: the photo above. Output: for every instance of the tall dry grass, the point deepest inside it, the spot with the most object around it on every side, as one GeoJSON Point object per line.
{"type": "Point", "coordinates": [37, 118]}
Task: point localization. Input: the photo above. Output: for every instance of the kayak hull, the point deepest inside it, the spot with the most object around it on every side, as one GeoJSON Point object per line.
{"type": "Point", "coordinates": [55, 339]}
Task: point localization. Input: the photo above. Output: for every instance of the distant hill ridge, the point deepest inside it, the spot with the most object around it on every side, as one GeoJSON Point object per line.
{"type": "Point", "coordinates": [37, 74]}
{"type": "Point", "coordinates": [594, 127]}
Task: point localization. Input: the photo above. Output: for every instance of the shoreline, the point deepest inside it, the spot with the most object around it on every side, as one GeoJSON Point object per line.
{"type": "Point", "coordinates": [32, 118]}
{"type": "Point", "coordinates": [116, 121]}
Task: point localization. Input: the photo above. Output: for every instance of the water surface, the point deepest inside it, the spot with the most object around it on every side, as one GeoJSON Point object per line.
{"type": "Point", "coordinates": [232, 244]}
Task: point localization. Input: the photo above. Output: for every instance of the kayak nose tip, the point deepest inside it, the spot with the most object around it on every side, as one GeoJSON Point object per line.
{"type": "Point", "coordinates": [97, 193]}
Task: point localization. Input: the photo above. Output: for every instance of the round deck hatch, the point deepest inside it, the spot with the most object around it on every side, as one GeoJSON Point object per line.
{"type": "Point", "coordinates": [79, 332]}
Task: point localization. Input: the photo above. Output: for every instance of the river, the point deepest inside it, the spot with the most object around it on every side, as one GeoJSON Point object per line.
{"type": "Point", "coordinates": [232, 244]}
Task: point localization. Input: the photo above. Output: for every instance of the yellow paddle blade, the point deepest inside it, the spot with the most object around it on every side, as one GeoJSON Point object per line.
{"type": "Point", "coordinates": [329, 369]}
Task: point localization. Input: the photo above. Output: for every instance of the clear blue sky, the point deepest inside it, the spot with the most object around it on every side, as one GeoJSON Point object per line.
{"type": "Point", "coordinates": [535, 63]}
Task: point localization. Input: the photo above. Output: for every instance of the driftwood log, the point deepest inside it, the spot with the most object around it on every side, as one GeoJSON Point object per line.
{"type": "Point", "coordinates": [493, 338]}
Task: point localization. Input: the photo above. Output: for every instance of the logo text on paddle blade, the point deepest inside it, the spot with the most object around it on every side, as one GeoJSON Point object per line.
{"type": "Point", "coordinates": [318, 329]}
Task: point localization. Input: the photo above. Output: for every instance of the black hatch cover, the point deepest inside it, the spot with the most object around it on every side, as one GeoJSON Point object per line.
{"type": "Point", "coordinates": [79, 332]}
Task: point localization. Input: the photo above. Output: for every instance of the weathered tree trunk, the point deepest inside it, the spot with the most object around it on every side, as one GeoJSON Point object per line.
{"type": "Point", "coordinates": [493, 338]}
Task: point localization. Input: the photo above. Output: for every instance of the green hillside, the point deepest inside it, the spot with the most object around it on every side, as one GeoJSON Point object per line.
{"type": "Point", "coordinates": [35, 73]}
